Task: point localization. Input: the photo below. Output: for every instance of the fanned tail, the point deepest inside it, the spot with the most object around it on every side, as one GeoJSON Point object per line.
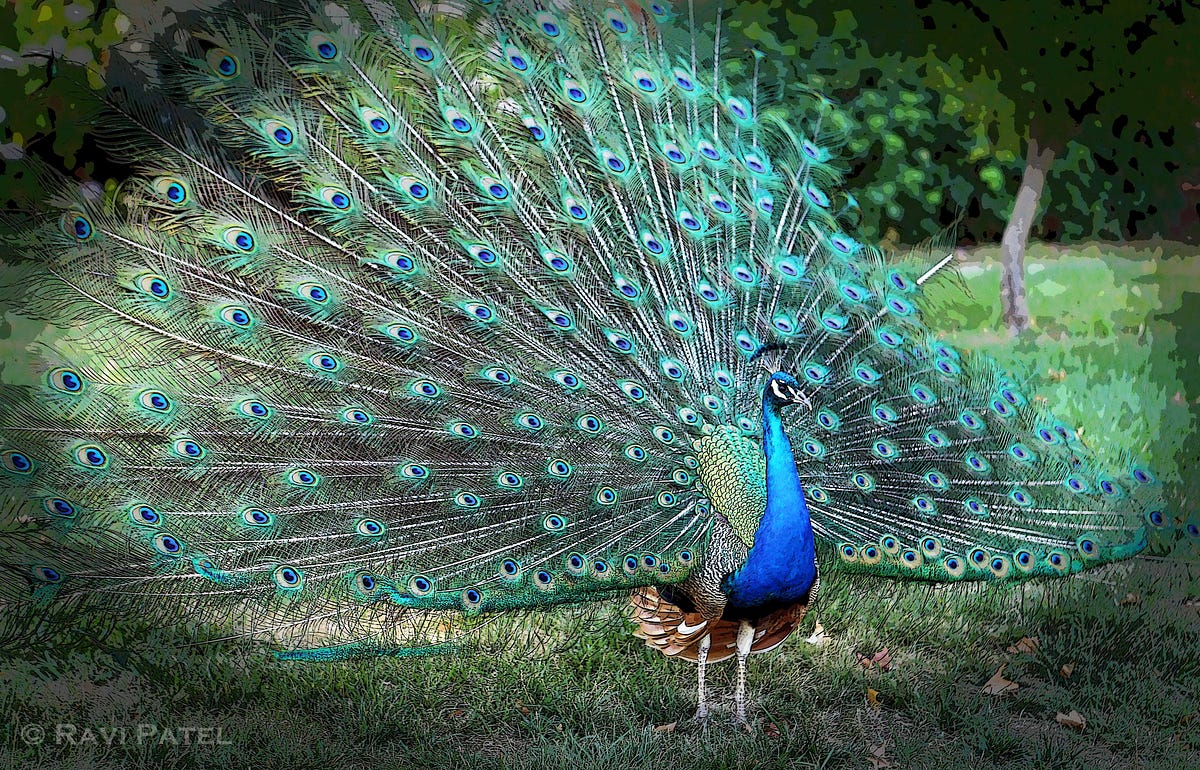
{"type": "Point", "coordinates": [932, 463]}
{"type": "Point", "coordinates": [421, 308]}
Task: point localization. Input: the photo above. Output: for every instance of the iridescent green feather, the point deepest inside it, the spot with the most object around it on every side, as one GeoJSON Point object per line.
{"type": "Point", "coordinates": [430, 314]}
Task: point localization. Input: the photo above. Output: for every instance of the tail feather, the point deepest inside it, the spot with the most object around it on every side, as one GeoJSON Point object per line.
{"type": "Point", "coordinates": [423, 307]}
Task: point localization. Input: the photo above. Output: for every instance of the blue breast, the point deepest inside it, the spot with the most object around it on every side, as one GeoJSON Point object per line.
{"type": "Point", "coordinates": [781, 567]}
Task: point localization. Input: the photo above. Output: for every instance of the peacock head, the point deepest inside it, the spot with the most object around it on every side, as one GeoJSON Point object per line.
{"type": "Point", "coordinates": [783, 390]}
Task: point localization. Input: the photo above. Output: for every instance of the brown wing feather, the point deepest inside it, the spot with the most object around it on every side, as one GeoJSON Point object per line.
{"type": "Point", "coordinates": [675, 633]}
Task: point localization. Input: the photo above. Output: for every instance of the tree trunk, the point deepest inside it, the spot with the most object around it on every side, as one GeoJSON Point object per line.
{"type": "Point", "coordinates": [1016, 234]}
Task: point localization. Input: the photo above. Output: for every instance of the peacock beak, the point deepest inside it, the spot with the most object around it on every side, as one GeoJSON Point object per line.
{"type": "Point", "coordinates": [789, 394]}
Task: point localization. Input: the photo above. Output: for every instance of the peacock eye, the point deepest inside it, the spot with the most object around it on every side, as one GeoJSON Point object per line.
{"type": "Point", "coordinates": [558, 263]}
{"type": "Point", "coordinates": [223, 63]}
{"type": "Point", "coordinates": [302, 477]}
{"type": "Point", "coordinates": [645, 81]}
{"type": "Point", "coordinates": [414, 471]}
{"type": "Point", "coordinates": [47, 574]}
{"type": "Point", "coordinates": [154, 401]}
{"type": "Point", "coordinates": [154, 285]}
{"type": "Point", "coordinates": [144, 514]}
{"type": "Point", "coordinates": [370, 528]}
{"type": "Point", "coordinates": [313, 291]}
{"type": "Point", "coordinates": [256, 517]}
{"type": "Point", "coordinates": [167, 544]}
{"type": "Point", "coordinates": [236, 316]}
{"type": "Point", "coordinates": [173, 190]}
{"type": "Point", "coordinates": [90, 456]}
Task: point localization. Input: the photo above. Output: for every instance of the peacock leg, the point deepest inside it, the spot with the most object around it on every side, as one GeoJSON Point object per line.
{"type": "Point", "coordinates": [702, 660]}
{"type": "Point", "coordinates": [745, 640]}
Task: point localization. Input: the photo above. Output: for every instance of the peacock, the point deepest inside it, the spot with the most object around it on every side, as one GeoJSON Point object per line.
{"type": "Point", "coordinates": [413, 315]}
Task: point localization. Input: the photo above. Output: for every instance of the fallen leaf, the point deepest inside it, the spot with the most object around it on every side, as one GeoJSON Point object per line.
{"type": "Point", "coordinates": [771, 730]}
{"type": "Point", "coordinates": [1191, 603]}
{"type": "Point", "coordinates": [1130, 598]}
{"type": "Point", "coordinates": [998, 685]}
{"type": "Point", "coordinates": [1027, 645]}
{"type": "Point", "coordinates": [669, 727]}
{"type": "Point", "coordinates": [1072, 719]}
{"type": "Point", "coordinates": [1067, 669]}
{"type": "Point", "coordinates": [878, 756]}
{"type": "Point", "coordinates": [522, 708]}
{"type": "Point", "coordinates": [882, 659]}
{"type": "Point", "coordinates": [873, 698]}
{"type": "Point", "coordinates": [819, 637]}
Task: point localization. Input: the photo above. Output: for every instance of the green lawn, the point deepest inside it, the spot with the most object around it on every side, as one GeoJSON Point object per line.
{"type": "Point", "coordinates": [1115, 350]}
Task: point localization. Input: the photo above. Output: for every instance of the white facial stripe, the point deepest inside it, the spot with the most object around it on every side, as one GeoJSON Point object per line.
{"type": "Point", "coordinates": [795, 394]}
{"type": "Point", "coordinates": [778, 391]}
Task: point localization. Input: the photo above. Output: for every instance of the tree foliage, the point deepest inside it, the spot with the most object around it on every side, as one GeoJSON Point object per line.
{"type": "Point", "coordinates": [942, 96]}
{"type": "Point", "coordinates": [51, 54]}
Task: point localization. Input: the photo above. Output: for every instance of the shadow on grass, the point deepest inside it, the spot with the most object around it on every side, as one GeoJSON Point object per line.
{"type": "Point", "coordinates": [1125, 633]}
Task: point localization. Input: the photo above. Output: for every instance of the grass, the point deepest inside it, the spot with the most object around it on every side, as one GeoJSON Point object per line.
{"type": "Point", "coordinates": [1114, 350]}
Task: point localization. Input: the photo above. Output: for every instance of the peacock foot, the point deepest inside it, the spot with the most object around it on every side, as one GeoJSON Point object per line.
{"type": "Point", "coordinates": [699, 723]}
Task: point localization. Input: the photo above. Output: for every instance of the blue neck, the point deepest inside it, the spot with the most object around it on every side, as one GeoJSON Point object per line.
{"type": "Point", "coordinates": [782, 565]}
